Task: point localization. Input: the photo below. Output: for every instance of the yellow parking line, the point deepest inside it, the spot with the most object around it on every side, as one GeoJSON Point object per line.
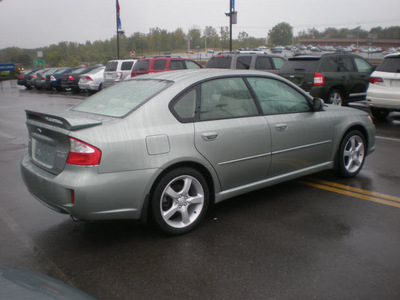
{"type": "Point", "coordinates": [354, 192]}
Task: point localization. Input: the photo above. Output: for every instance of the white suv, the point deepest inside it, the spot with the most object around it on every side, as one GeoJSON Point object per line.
{"type": "Point", "coordinates": [383, 94]}
{"type": "Point", "coordinates": [117, 70]}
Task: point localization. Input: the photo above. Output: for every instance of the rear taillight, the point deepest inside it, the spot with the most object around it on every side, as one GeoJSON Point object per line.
{"type": "Point", "coordinates": [319, 79]}
{"type": "Point", "coordinates": [33, 77]}
{"type": "Point", "coordinates": [70, 78]}
{"type": "Point", "coordinates": [373, 80]}
{"type": "Point", "coordinates": [52, 78]}
{"type": "Point", "coordinates": [118, 77]}
{"type": "Point", "coordinates": [83, 154]}
{"type": "Point", "coordinates": [21, 77]}
{"type": "Point", "coordinates": [88, 78]}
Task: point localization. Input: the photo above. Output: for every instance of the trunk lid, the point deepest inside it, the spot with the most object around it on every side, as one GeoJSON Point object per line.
{"type": "Point", "coordinates": [49, 142]}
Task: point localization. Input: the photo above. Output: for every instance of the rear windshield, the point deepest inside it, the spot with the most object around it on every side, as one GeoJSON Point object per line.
{"type": "Point", "coordinates": [111, 66]}
{"type": "Point", "coordinates": [299, 66]}
{"type": "Point", "coordinates": [390, 64]}
{"type": "Point", "coordinates": [219, 62]}
{"type": "Point", "coordinates": [119, 100]}
{"type": "Point", "coordinates": [94, 71]}
{"type": "Point", "coordinates": [141, 65]}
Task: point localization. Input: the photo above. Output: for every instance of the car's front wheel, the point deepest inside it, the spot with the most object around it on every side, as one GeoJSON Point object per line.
{"type": "Point", "coordinates": [179, 201]}
{"type": "Point", "coordinates": [351, 154]}
{"type": "Point", "coordinates": [335, 97]}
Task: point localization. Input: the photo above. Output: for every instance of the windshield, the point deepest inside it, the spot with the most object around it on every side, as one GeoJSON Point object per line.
{"type": "Point", "coordinates": [119, 100]}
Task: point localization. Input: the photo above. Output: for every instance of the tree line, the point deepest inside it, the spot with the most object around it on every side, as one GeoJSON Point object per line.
{"type": "Point", "coordinates": [159, 41]}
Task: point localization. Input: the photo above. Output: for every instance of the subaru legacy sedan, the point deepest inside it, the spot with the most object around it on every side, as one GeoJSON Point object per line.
{"type": "Point", "coordinates": [166, 146]}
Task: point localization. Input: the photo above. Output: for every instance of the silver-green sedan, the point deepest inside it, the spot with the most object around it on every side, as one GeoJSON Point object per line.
{"type": "Point", "coordinates": [168, 145]}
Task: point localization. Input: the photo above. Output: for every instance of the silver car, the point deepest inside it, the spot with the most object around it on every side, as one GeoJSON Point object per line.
{"type": "Point", "coordinates": [168, 145]}
{"type": "Point", "coordinates": [92, 81]}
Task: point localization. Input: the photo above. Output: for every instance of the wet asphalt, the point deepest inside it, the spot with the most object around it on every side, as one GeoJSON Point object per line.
{"type": "Point", "coordinates": [338, 239]}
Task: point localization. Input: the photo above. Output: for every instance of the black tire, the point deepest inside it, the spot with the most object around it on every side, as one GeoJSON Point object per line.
{"type": "Point", "coordinates": [179, 201]}
{"type": "Point", "coordinates": [335, 97]}
{"type": "Point", "coordinates": [379, 114]}
{"type": "Point", "coordinates": [351, 155]}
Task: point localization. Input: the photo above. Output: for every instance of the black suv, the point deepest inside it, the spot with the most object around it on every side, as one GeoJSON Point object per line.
{"type": "Point", "coordinates": [336, 78]}
{"type": "Point", "coordinates": [252, 61]}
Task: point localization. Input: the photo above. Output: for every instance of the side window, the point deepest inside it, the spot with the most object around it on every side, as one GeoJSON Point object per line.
{"type": "Point", "coordinates": [243, 62]}
{"type": "Point", "coordinates": [192, 65]}
{"type": "Point", "coordinates": [226, 98]}
{"type": "Point", "coordinates": [159, 64]}
{"type": "Point", "coordinates": [278, 62]}
{"type": "Point", "coordinates": [362, 65]}
{"type": "Point", "coordinates": [346, 64]}
{"type": "Point", "coordinates": [176, 65]}
{"type": "Point", "coordinates": [263, 63]}
{"type": "Point", "coordinates": [276, 97]}
{"type": "Point", "coordinates": [185, 106]}
{"type": "Point", "coordinates": [330, 65]}
{"type": "Point", "coordinates": [126, 66]}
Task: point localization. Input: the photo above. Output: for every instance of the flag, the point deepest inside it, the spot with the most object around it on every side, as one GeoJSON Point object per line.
{"type": "Point", "coordinates": [118, 19]}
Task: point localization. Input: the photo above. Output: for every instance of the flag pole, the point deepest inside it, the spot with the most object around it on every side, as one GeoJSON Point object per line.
{"type": "Point", "coordinates": [118, 26]}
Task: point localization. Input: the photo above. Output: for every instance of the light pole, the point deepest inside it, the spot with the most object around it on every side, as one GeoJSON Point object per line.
{"type": "Point", "coordinates": [232, 14]}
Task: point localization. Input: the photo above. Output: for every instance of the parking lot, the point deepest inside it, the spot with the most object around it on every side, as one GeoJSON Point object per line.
{"type": "Point", "coordinates": [319, 237]}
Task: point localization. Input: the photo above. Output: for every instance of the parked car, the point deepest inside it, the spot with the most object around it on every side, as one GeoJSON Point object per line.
{"type": "Point", "coordinates": [117, 70]}
{"type": "Point", "coordinates": [53, 80]}
{"type": "Point", "coordinates": [338, 78]}
{"type": "Point", "coordinates": [383, 94]}
{"type": "Point", "coordinates": [248, 60]}
{"type": "Point", "coordinates": [22, 79]}
{"type": "Point", "coordinates": [41, 78]}
{"type": "Point", "coordinates": [161, 64]}
{"type": "Point", "coordinates": [92, 81]}
{"type": "Point", "coordinates": [168, 145]}
{"type": "Point", "coordinates": [70, 80]}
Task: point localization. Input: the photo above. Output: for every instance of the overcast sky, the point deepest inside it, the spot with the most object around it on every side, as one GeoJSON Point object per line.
{"type": "Point", "coordinates": [39, 23]}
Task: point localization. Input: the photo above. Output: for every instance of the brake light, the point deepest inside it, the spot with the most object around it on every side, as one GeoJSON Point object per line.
{"type": "Point", "coordinates": [319, 79]}
{"type": "Point", "coordinates": [52, 78]}
{"type": "Point", "coordinates": [21, 77]}
{"type": "Point", "coordinates": [33, 77]}
{"type": "Point", "coordinates": [88, 78]}
{"type": "Point", "coordinates": [70, 78]}
{"type": "Point", "coordinates": [118, 77]}
{"type": "Point", "coordinates": [83, 154]}
{"type": "Point", "coordinates": [373, 80]}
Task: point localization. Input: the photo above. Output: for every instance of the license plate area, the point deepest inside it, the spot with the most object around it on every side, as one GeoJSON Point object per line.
{"type": "Point", "coordinates": [395, 82]}
{"type": "Point", "coordinates": [43, 153]}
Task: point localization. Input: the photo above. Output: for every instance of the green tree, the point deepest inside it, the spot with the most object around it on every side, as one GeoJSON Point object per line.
{"type": "Point", "coordinates": [280, 34]}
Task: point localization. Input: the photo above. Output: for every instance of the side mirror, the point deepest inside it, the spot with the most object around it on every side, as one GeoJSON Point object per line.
{"type": "Point", "coordinates": [317, 104]}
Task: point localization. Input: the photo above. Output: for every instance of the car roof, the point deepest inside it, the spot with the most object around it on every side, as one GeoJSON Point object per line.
{"type": "Point", "coordinates": [393, 55]}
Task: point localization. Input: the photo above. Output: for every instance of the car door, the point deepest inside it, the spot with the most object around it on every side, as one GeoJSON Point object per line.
{"type": "Point", "coordinates": [301, 138]}
{"type": "Point", "coordinates": [231, 134]}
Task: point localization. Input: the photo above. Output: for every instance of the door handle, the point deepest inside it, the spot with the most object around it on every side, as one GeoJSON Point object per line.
{"type": "Point", "coordinates": [209, 136]}
{"type": "Point", "coordinates": [281, 127]}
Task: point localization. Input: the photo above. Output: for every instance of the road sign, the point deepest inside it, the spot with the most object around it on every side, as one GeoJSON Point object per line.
{"type": "Point", "coordinates": [132, 53]}
{"type": "Point", "coordinates": [39, 62]}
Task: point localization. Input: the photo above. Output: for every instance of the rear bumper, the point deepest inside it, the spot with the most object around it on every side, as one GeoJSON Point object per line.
{"type": "Point", "coordinates": [96, 196]}
{"type": "Point", "coordinates": [384, 99]}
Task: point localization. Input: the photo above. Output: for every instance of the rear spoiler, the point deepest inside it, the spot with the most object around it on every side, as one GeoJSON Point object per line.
{"type": "Point", "coordinates": [62, 120]}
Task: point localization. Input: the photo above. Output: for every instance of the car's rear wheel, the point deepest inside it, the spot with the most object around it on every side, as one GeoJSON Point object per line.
{"type": "Point", "coordinates": [179, 201]}
{"type": "Point", "coordinates": [351, 154]}
{"type": "Point", "coordinates": [379, 114]}
{"type": "Point", "coordinates": [335, 97]}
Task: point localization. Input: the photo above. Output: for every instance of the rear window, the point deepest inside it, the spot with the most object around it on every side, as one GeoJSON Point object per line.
{"type": "Point", "coordinates": [126, 65]}
{"type": "Point", "coordinates": [111, 66]}
{"type": "Point", "coordinates": [219, 62]}
{"type": "Point", "coordinates": [176, 65]}
{"type": "Point", "coordinates": [119, 100]}
{"type": "Point", "coordinates": [390, 64]}
{"type": "Point", "coordinates": [299, 66]}
{"type": "Point", "coordinates": [141, 65]}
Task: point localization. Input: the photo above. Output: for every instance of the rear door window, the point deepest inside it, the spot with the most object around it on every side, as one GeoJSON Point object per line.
{"type": "Point", "coordinates": [126, 65]}
{"type": "Point", "coordinates": [192, 65]}
{"type": "Point", "coordinates": [176, 65]}
{"type": "Point", "coordinates": [346, 64]}
{"type": "Point", "coordinates": [219, 62]}
{"type": "Point", "coordinates": [278, 62]}
{"type": "Point", "coordinates": [263, 63]}
{"type": "Point", "coordinates": [159, 64]}
{"type": "Point", "coordinates": [243, 62]}
{"type": "Point", "coordinates": [141, 65]}
{"type": "Point", "coordinates": [329, 65]}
